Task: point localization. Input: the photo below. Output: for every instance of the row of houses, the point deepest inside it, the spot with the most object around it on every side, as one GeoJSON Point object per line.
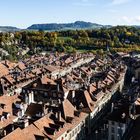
{"type": "Point", "coordinates": [122, 119]}
{"type": "Point", "coordinates": [58, 102]}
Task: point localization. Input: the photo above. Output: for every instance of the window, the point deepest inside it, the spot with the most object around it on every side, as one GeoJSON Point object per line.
{"type": "Point", "coordinates": [36, 92]}
{"type": "Point", "coordinates": [54, 94]}
{"type": "Point", "coordinates": [79, 128]}
{"type": "Point", "coordinates": [65, 135]}
{"type": "Point", "coordinates": [120, 132]}
{"type": "Point", "coordinates": [112, 137]}
{"type": "Point", "coordinates": [70, 136]}
{"type": "Point", "coordinates": [59, 95]}
{"type": "Point", "coordinates": [112, 123]}
{"type": "Point", "coordinates": [45, 94]}
{"type": "Point", "coordinates": [76, 131]}
{"type": "Point", "coordinates": [41, 92]}
{"type": "Point", "coordinates": [112, 130]}
{"type": "Point", "coordinates": [72, 133]}
{"type": "Point", "coordinates": [120, 125]}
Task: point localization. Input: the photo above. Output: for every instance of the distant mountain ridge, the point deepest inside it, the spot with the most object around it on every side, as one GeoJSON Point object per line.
{"type": "Point", "coordinates": [60, 26]}
{"type": "Point", "coordinates": [8, 29]}
{"type": "Point", "coordinates": [64, 26]}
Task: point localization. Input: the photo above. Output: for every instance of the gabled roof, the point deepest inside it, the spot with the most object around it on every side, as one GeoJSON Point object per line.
{"type": "Point", "coordinates": [86, 70]}
{"type": "Point", "coordinates": [21, 65]}
{"type": "Point", "coordinates": [92, 88]}
{"type": "Point", "coordinates": [9, 78]}
{"type": "Point", "coordinates": [15, 135]}
{"type": "Point", "coordinates": [68, 109]}
{"type": "Point", "coordinates": [8, 64]}
{"type": "Point", "coordinates": [3, 70]}
{"type": "Point", "coordinates": [68, 60]}
{"type": "Point", "coordinates": [46, 80]}
{"type": "Point", "coordinates": [42, 123]}
{"type": "Point", "coordinates": [28, 133]}
{"type": "Point", "coordinates": [7, 101]}
{"type": "Point", "coordinates": [88, 101]}
{"type": "Point", "coordinates": [31, 132]}
{"type": "Point", "coordinates": [36, 71]}
{"type": "Point", "coordinates": [52, 68]}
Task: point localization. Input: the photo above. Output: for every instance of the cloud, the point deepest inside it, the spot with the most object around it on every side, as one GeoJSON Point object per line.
{"type": "Point", "coordinates": [119, 2]}
{"type": "Point", "coordinates": [138, 19]}
{"type": "Point", "coordinates": [127, 19]}
{"type": "Point", "coordinates": [130, 20]}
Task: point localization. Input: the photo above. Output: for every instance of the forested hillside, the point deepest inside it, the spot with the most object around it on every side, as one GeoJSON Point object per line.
{"type": "Point", "coordinates": [118, 38]}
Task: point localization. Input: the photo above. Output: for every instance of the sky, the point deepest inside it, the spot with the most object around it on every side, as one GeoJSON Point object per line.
{"type": "Point", "coordinates": [23, 13]}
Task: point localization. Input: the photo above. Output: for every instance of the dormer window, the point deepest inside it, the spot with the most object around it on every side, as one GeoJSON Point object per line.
{"type": "Point", "coordinates": [54, 94]}
{"type": "Point", "coordinates": [2, 118]}
{"type": "Point", "coordinates": [45, 94]}
{"type": "Point", "coordinates": [8, 115]}
{"type": "Point", "coordinates": [2, 105]}
{"type": "Point", "coordinates": [59, 95]}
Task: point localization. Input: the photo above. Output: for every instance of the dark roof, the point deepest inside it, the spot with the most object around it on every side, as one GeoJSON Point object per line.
{"type": "Point", "coordinates": [34, 109]}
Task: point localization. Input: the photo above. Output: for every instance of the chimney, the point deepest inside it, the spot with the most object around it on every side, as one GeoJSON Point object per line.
{"type": "Point", "coordinates": [25, 74]}
{"type": "Point", "coordinates": [3, 85]}
{"type": "Point", "coordinates": [26, 123]}
{"type": "Point", "coordinates": [123, 115]}
{"type": "Point", "coordinates": [59, 115]}
{"type": "Point", "coordinates": [30, 98]}
{"type": "Point", "coordinates": [130, 109]}
{"type": "Point", "coordinates": [80, 74]}
{"type": "Point", "coordinates": [16, 79]}
{"type": "Point", "coordinates": [104, 89]}
{"type": "Point", "coordinates": [4, 132]}
{"type": "Point", "coordinates": [73, 94]}
{"type": "Point", "coordinates": [88, 80]}
{"type": "Point", "coordinates": [6, 62]}
{"type": "Point", "coordinates": [58, 87]}
{"type": "Point", "coordinates": [89, 89]}
{"type": "Point", "coordinates": [2, 118]}
{"type": "Point", "coordinates": [45, 110]}
{"type": "Point", "coordinates": [7, 116]}
{"type": "Point", "coordinates": [112, 107]}
{"type": "Point", "coordinates": [97, 84]}
{"type": "Point", "coordinates": [26, 98]}
{"type": "Point", "coordinates": [57, 76]}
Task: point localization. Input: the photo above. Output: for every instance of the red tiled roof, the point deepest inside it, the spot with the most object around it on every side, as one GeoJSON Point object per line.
{"type": "Point", "coordinates": [15, 135]}
{"type": "Point", "coordinates": [68, 109]}
{"type": "Point", "coordinates": [21, 65]}
{"type": "Point", "coordinates": [52, 68]}
{"type": "Point", "coordinates": [3, 70]}
{"type": "Point", "coordinates": [89, 101]}
{"type": "Point", "coordinates": [46, 80]}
